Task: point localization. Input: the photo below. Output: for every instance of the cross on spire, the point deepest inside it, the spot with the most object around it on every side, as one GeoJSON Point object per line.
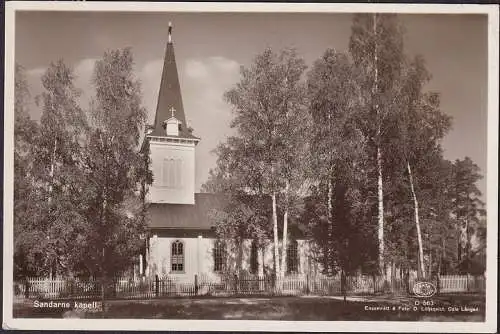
{"type": "Point", "coordinates": [172, 110]}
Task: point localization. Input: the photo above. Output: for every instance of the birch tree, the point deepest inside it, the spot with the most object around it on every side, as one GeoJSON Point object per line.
{"type": "Point", "coordinates": [238, 215]}
{"type": "Point", "coordinates": [422, 126]}
{"type": "Point", "coordinates": [113, 170]}
{"type": "Point", "coordinates": [376, 45]}
{"type": "Point", "coordinates": [28, 255]}
{"type": "Point", "coordinates": [269, 114]}
{"type": "Point", "coordinates": [57, 173]}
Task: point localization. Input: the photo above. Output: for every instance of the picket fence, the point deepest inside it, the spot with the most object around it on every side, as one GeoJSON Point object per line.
{"type": "Point", "coordinates": [461, 283]}
{"type": "Point", "coordinates": [169, 286]}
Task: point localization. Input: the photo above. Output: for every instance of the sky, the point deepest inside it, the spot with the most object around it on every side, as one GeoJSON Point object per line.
{"type": "Point", "coordinates": [211, 47]}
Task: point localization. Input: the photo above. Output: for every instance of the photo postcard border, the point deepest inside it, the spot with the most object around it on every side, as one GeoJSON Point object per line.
{"type": "Point", "coordinates": [254, 325]}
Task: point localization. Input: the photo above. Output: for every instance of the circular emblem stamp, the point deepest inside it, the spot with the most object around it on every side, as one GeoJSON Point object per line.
{"type": "Point", "coordinates": [424, 289]}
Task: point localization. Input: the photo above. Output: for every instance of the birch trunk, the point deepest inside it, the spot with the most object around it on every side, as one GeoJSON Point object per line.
{"type": "Point", "coordinates": [429, 267]}
{"type": "Point", "coordinates": [380, 189]}
{"type": "Point", "coordinates": [330, 227]}
{"type": "Point", "coordinates": [440, 267]}
{"type": "Point", "coordinates": [103, 221]}
{"type": "Point", "coordinates": [467, 237]}
{"type": "Point", "coordinates": [417, 223]}
{"type": "Point", "coordinates": [52, 170]}
{"type": "Point", "coordinates": [51, 182]}
{"type": "Point", "coordinates": [275, 234]}
{"type": "Point", "coordinates": [239, 260]}
{"type": "Point", "coordinates": [443, 249]}
{"type": "Point", "coordinates": [103, 284]}
{"type": "Point", "coordinates": [285, 233]}
{"type": "Point", "coordinates": [380, 199]}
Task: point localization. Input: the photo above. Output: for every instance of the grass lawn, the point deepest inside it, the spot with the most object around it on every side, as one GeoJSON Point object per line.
{"type": "Point", "coordinates": [277, 308]}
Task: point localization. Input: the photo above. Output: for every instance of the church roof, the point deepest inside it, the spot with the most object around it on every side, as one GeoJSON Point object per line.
{"type": "Point", "coordinates": [166, 216]}
{"type": "Point", "coordinates": [169, 96]}
{"type": "Point", "coordinates": [188, 216]}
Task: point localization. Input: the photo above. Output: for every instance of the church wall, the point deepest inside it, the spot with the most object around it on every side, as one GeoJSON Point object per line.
{"type": "Point", "coordinates": [182, 191]}
{"type": "Point", "coordinates": [198, 258]}
{"type": "Point", "coordinates": [268, 255]}
{"type": "Point", "coordinates": [305, 263]}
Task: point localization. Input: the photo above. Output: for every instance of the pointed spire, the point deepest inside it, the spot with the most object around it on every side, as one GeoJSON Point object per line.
{"type": "Point", "coordinates": [170, 97]}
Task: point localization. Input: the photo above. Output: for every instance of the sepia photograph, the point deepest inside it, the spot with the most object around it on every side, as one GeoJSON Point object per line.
{"type": "Point", "coordinates": [288, 166]}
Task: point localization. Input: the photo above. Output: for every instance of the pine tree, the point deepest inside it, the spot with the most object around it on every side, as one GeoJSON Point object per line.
{"type": "Point", "coordinates": [468, 209]}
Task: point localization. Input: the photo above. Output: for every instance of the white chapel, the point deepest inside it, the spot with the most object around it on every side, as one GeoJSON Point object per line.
{"type": "Point", "coordinates": [181, 242]}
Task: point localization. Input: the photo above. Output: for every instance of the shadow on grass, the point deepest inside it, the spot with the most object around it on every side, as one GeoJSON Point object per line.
{"type": "Point", "coordinates": [308, 308]}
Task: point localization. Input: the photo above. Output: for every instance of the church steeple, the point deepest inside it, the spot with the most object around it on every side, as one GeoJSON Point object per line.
{"type": "Point", "coordinates": [171, 143]}
{"type": "Point", "coordinates": [169, 97]}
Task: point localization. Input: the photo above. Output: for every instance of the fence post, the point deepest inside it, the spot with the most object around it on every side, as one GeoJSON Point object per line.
{"type": "Point", "coordinates": [196, 284]}
{"type": "Point", "coordinates": [307, 284]}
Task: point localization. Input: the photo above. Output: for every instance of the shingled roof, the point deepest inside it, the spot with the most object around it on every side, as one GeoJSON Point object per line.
{"type": "Point", "coordinates": [186, 216]}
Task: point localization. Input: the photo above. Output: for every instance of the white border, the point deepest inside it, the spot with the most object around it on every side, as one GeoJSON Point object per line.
{"type": "Point", "coordinates": [249, 7]}
{"type": "Point", "coordinates": [227, 325]}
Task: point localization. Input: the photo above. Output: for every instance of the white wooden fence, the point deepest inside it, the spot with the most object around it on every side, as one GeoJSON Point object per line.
{"type": "Point", "coordinates": [233, 285]}
{"type": "Point", "coordinates": [57, 288]}
{"type": "Point", "coordinates": [462, 283]}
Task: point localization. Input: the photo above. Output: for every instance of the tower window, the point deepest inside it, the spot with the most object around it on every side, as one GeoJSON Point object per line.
{"type": "Point", "coordinates": [292, 257]}
{"type": "Point", "coordinates": [219, 256]}
{"type": "Point", "coordinates": [177, 257]}
{"type": "Point", "coordinates": [172, 173]}
{"type": "Point", "coordinates": [180, 126]}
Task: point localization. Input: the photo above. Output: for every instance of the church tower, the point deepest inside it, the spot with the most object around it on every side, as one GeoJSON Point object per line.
{"type": "Point", "coordinates": [172, 144]}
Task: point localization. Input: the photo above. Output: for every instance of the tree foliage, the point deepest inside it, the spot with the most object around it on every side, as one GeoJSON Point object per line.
{"type": "Point", "coordinates": [113, 168]}
{"type": "Point", "coordinates": [373, 161]}
{"type": "Point", "coordinates": [83, 208]}
{"type": "Point", "coordinates": [354, 153]}
{"type": "Point", "coordinates": [337, 154]}
{"type": "Point", "coordinates": [28, 257]}
{"type": "Point", "coordinates": [468, 213]}
{"type": "Point", "coordinates": [376, 46]}
{"type": "Point", "coordinates": [271, 119]}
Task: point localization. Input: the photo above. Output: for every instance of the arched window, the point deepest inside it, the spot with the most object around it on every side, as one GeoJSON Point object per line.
{"type": "Point", "coordinates": [254, 258]}
{"type": "Point", "coordinates": [219, 253]}
{"type": "Point", "coordinates": [292, 257]}
{"type": "Point", "coordinates": [177, 257]}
